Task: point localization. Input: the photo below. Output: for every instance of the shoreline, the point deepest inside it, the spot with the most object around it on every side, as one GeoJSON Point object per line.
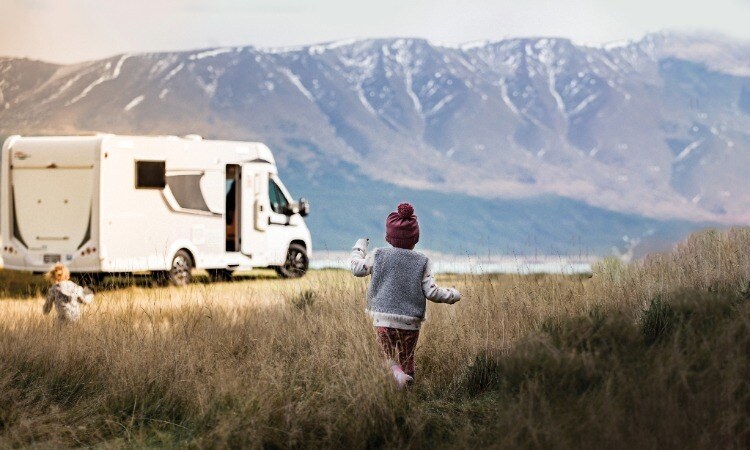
{"type": "Point", "coordinates": [479, 265]}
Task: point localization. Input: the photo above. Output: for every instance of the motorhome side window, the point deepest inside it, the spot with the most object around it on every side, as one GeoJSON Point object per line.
{"type": "Point", "coordinates": [279, 203]}
{"type": "Point", "coordinates": [150, 175]}
{"type": "Point", "coordinates": [186, 189]}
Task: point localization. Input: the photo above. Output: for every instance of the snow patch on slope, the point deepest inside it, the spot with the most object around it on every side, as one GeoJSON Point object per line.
{"type": "Point", "coordinates": [296, 82]}
{"type": "Point", "coordinates": [210, 53]}
{"type": "Point", "coordinates": [444, 101]}
{"type": "Point", "coordinates": [65, 87]}
{"type": "Point", "coordinates": [100, 80]}
{"type": "Point", "coordinates": [546, 57]}
{"type": "Point", "coordinates": [687, 150]}
{"type": "Point", "coordinates": [363, 100]}
{"type": "Point", "coordinates": [174, 71]}
{"type": "Point", "coordinates": [321, 48]}
{"type": "Point", "coordinates": [506, 99]}
{"type": "Point", "coordinates": [584, 103]}
{"type": "Point", "coordinates": [133, 103]}
{"type": "Point", "coordinates": [405, 62]}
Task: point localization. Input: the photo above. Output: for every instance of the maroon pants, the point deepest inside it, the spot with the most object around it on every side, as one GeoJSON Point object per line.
{"type": "Point", "coordinates": [399, 345]}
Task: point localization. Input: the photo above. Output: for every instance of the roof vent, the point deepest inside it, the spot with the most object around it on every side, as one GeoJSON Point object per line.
{"type": "Point", "coordinates": [193, 137]}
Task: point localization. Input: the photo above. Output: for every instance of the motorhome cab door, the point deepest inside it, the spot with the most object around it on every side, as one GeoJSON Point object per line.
{"type": "Point", "coordinates": [254, 212]}
{"type": "Point", "coordinates": [282, 223]}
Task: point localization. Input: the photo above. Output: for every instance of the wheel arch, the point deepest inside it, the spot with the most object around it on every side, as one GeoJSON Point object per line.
{"type": "Point", "coordinates": [286, 272]}
{"type": "Point", "coordinates": [188, 251]}
{"type": "Point", "coordinates": [300, 242]}
{"type": "Point", "coordinates": [176, 246]}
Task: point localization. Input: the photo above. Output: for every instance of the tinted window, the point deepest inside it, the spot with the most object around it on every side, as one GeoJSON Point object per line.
{"type": "Point", "coordinates": [150, 175]}
{"type": "Point", "coordinates": [231, 200]}
{"type": "Point", "coordinates": [186, 189]}
{"type": "Point", "coordinates": [279, 204]}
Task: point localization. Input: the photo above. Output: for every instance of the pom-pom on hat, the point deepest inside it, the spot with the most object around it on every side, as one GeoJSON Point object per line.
{"type": "Point", "coordinates": [402, 228]}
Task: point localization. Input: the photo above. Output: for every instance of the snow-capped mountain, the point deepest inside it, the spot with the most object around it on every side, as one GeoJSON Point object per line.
{"type": "Point", "coordinates": [658, 128]}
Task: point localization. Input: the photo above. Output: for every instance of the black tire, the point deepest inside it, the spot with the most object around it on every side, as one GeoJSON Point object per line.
{"type": "Point", "coordinates": [296, 263]}
{"type": "Point", "coordinates": [181, 271]}
{"type": "Point", "coordinates": [220, 274]}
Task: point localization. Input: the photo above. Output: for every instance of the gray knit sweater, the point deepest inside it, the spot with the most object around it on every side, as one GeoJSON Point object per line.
{"type": "Point", "coordinates": [401, 283]}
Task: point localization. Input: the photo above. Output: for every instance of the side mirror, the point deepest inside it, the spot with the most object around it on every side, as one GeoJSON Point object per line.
{"type": "Point", "coordinates": [290, 209]}
{"type": "Point", "coordinates": [303, 207]}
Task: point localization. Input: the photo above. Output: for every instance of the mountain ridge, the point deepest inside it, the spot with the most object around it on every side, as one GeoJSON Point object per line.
{"type": "Point", "coordinates": [653, 128]}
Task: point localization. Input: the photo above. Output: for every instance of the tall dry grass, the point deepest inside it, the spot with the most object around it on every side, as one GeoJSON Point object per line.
{"type": "Point", "coordinates": [646, 355]}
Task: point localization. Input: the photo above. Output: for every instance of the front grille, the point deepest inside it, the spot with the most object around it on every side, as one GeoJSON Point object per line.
{"type": "Point", "coordinates": [49, 259]}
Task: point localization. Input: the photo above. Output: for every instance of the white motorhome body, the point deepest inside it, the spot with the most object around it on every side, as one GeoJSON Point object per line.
{"type": "Point", "coordinates": [113, 204]}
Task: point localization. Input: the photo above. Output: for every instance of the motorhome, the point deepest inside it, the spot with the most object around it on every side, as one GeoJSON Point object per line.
{"type": "Point", "coordinates": [109, 204]}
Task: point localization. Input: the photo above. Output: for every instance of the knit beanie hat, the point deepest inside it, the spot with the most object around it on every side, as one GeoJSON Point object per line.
{"type": "Point", "coordinates": [402, 228]}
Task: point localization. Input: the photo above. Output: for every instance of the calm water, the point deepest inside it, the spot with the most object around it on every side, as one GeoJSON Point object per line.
{"type": "Point", "coordinates": [477, 267]}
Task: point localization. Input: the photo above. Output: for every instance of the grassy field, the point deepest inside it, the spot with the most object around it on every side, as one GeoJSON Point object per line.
{"type": "Point", "coordinates": [653, 354]}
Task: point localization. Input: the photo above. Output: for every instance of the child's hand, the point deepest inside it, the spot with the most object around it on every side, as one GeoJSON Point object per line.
{"type": "Point", "coordinates": [455, 296]}
{"type": "Point", "coordinates": [362, 244]}
{"type": "Point", "coordinates": [359, 262]}
{"type": "Point", "coordinates": [88, 295]}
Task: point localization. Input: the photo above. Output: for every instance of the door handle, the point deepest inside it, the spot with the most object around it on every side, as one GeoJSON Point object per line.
{"type": "Point", "coordinates": [271, 222]}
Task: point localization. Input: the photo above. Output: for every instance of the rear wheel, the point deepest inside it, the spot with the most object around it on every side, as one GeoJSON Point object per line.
{"type": "Point", "coordinates": [181, 271]}
{"type": "Point", "coordinates": [296, 263]}
{"type": "Point", "coordinates": [220, 274]}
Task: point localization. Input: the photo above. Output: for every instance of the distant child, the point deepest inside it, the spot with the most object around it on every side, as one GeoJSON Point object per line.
{"type": "Point", "coordinates": [66, 295]}
{"type": "Point", "coordinates": [401, 282]}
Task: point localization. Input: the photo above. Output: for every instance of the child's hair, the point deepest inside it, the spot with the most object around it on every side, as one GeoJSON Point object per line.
{"type": "Point", "coordinates": [58, 273]}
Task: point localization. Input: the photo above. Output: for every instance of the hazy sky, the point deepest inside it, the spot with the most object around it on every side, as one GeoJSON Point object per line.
{"type": "Point", "coordinates": [76, 30]}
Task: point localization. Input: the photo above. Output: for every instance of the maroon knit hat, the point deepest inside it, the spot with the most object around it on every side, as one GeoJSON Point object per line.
{"type": "Point", "coordinates": [402, 228]}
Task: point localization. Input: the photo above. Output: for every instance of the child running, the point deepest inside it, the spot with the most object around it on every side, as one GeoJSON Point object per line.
{"type": "Point", "coordinates": [66, 295]}
{"type": "Point", "coordinates": [401, 281]}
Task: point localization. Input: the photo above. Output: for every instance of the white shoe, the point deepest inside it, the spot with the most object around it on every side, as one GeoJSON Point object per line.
{"type": "Point", "coordinates": [400, 376]}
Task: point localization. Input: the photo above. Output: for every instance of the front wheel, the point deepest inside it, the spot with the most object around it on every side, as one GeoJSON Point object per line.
{"type": "Point", "coordinates": [296, 263]}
